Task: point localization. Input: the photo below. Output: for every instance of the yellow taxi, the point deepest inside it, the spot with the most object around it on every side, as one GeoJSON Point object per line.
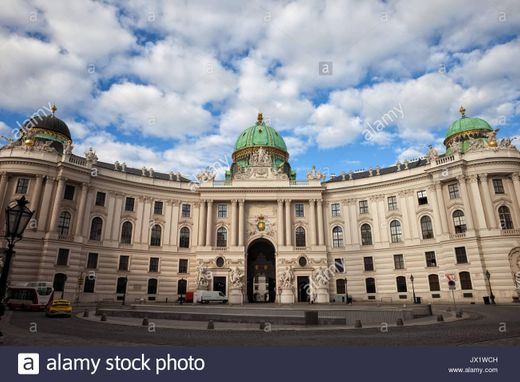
{"type": "Point", "coordinates": [59, 308]}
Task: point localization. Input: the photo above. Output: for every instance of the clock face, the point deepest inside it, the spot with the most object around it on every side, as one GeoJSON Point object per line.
{"type": "Point", "coordinates": [261, 225]}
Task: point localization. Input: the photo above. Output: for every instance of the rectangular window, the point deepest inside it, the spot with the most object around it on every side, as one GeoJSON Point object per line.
{"type": "Point", "coordinates": [90, 284]}
{"type": "Point", "coordinates": [335, 209]}
{"type": "Point", "coordinates": [123, 263]}
{"type": "Point", "coordinates": [129, 204]}
{"type": "Point", "coordinates": [498, 186]}
{"type": "Point", "coordinates": [154, 264]}
{"type": "Point", "coordinates": [22, 186]}
{"type": "Point", "coordinates": [460, 254]}
{"type": "Point", "coordinates": [222, 211]}
{"type": "Point", "coordinates": [398, 262]}
{"type": "Point", "coordinates": [339, 264]}
{"type": "Point", "coordinates": [300, 210]}
{"type": "Point", "coordinates": [369, 263]}
{"type": "Point", "coordinates": [63, 257]}
{"type": "Point", "coordinates": [363, 206]}
{"type": "Point", "coordinates": [69, 192]}
{"type": "Point", "coordinates": [92, 260]}
{"type": "Point", "coordinates": [453, 190]}
{"type": "Point", "coordinates": [100, 198]}
{"type": "Point", "coordinates": [370, 284]}
{"type": "Point", "coordinates": [392, 203]}
{"type": "Point", "coordinates": [431, 261]}
{"type": "Point", "coordinates": [183, 266]}
{"type": "Point", "coordinates": [422, 198]}
{"type": "Point", "coordinates": [158, 208]}
{"type": "Point", "coordinates": [186, 210]}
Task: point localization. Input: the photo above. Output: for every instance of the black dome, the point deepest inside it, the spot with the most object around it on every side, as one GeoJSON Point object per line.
{"type": "Point", "coordinates": [51, 123]}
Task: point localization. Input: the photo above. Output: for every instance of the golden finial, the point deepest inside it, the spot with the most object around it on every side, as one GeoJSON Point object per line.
{"type": "Point", "coordinates": [462, 111]}
{"type": "Point", "coordinates": [260, 119]}
{"type": "Point", "coordinates": [53, 108]}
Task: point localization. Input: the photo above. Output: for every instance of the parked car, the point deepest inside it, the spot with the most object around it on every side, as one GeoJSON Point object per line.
{"type": "Point", "coordinates": [59, 308]}
{"type": "Point", "coordinates": [207, 296]}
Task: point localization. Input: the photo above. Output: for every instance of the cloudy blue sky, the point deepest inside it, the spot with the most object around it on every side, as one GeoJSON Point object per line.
{"type": "Point", "coordinates": [171, 84]}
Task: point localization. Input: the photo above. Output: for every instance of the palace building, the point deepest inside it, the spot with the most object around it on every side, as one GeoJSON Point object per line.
{"type": "Point", "coordinates": [102, 231]}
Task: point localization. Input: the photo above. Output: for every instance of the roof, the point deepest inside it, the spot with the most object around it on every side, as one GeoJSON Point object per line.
{"type": "Point", "coordinates": [467, 124]}
{"type": "Point", "coordinates": [49, 122]}
{"type": "Point", "coordinates": [260, 135]}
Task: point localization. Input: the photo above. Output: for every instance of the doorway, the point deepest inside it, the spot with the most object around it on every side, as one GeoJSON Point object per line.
{"type": "Point", "coordinates": [303, 288]}
{"type": "Point", "coordinates": [261, 271]}
{"type": "Point", "coordinates": [219, 284]}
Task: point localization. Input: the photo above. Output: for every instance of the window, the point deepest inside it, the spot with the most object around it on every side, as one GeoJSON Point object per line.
{"type": "Point", "coordinates": [59, 282]}
{"type": "Point", "coordinates": [363, 206]}
{"type": "Point", "coordinates": [129, 204]}
{"type": "Point", "coordinates": [222, 211]}
{"type": "Point", "coordinates": [335, 209]}
{"type": "Point", "coordinates": [92, 260]}
{"type": "Point", "coordinates": [184, 238]}
{"type": "Point", "coordinates": [90, 284]}
{"type": "Point", "coordinates": [398, 262]}
{"type": "Point", "coordinates": [222, 237]}
{"type": "Point", "coordinates": [126, 233]}
{"type": "Point", "coordinates": [182, 286]}
{"type": "Point", "coordinates": [431, 261]}
{"type": "Point", "coordinates": [96, 227]}
{"type": "Point", "coordinates": [505, 218]}
{"type": "Point", "coordinates": [220, 261]}
{"type": "Point", "coordinates": [300, 237]}
{"type": "Point", "coordinates": [302, 261]}
{"type": "Point", "coordinates": [453, 190]}
{"type": "Point", "coordinates": [401, 284]}
{"type": "Point", "coordinates": [369, 263]}
{"type": "Point", "coordinates": [370, 284]}
{"type": "Point", "coordinates": [22, 186]}
{"type": "Point", "coordinates": [392, 203]}
{"type": "Point", "coordinates": [465, 281]}
{"type": "Point", "coordinates": [154, 264]}
{"type": "Point", "coordinates": [340, 286]}
{"type": "Point", "coordinates": [459, 222]}
{"type": "Point", "coordinates": [426, 227]}
{"type": "Point", "coordinates": [299, 210]}
{"type": "Point", "coordinates": [339, 265]}
{"type": "Point", "coordinates": [337, 237]}
{"type": "Point", "coordinates": [186, 210]}
{"type": "Point", "coordinates": [433, 280]}
{"type": "Point", "coordinates": [366, 234]}
{"type": "Point", "coordinates": [64, 224]}
{"type": "Point", "coordinates": [152, 286]}
{"type": "Point", "coordinates": [155, 237]}
{"type": "Point", "coordinates": [63, 256]}
{"type": "Point", "coordinates": [69, 192]}
{"type": "Point", "coordinates": [395, 231]}
{"type": "Point", "coordinates": [183, 266]}
{"type": "Point", "coordinates": [123, 263]}
{"type": "Point", "coordinates": [100, 198]}
{"type": "Point", "coordinates": [460, 255]}
{"type": "Point", "coordinates": [498, 186]}
{"type": "Point", "coordinates": [422, 198]}
{"type": "Point", "coordinates": [158, 208]}
{"type": "Point", "coordinates": [121, 285]}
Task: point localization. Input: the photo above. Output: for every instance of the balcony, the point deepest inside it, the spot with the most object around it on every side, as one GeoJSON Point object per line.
{"type": "Point", "coordinates": [445, 159]}
{"type": "Point", "coordinates": [220, 249]}
{"type": "Point", "coordinates": [510, 232]}
{"type": "Point", "coordinates": [460, 235]}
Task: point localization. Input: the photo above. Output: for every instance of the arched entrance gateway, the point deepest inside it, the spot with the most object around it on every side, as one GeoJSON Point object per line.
{"type": "Point", "coordinates": [261, 271]}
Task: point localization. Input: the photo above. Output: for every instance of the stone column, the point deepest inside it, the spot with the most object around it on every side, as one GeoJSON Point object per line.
{"type": "Point", "coordinates": [280, 222]}
{"type": "Point", "coordinates": [288, 225]}
{"type": "Point", "coordinates": [402, 205]}
{"type": "Point", "coordinates": [320, 222]}
{"type": "Point", "coordinates": [139, 210]}
{"type": "Point", "coordinates": [477, 207]}
{"type": "Point", "coordinates": [353, 221]}
{"type": "Point", "coordinates": [516, 186]}
{"type": "Point", "coordinates": [202, 223]}
{"type": "Point", "coordinates": [380, 203]}
{"type": "Point", "coordinates": [488, 204]}
{"type": "Point", "coordinates": [376, 223]}
{"type": "Point", "coordinates": [3, 183]}
{"type": "Point", "coordinates": [4, 198]}
{"type": "Point", "coordinates": [174, 221]}
{"type": "Point", "coordinates": [509, 189]}
{"type": "Point", "coordinates": [437, 225]}
{"type": "Point", "coordinates": [116, 216]}
{"type": "Point", "coordinates": [312, 221]}
{"type": "Point", "coordinates": [109, 221]}
{"type": "Point", "coordinates": [410, 203]}
{"type": "Point", "coordinates": [241, 223]}
{"type": "Point", "coordinates": [348, 235]}
{"type": "Point", "coordinates": [168, 233]}
{"type": "Point", "coordinates": [56, 205]}
{"type": "Point", "coordinates": [233, 234]}
{"type": "Point", "coordinates": [209, 224]}
{"type": "Point", "coordinates": [35, 197]}
{"type": "Point", "coordinates": [147, 222]}
{"type": "Point", "coordinates": [81, 211]}
{"type": "Point", "coordinates": [441, 207]}
{"type": "Point", "coordinates": [468, 213]}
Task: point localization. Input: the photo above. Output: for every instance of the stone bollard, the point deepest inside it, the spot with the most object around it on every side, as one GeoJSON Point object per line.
{"type": "Point", "coordinates": [145, 321]}
{"type": "Point", "coordinates": [440, 318]}
{"type": "Point", "coordinates": [358, 324]}
{"type": "Point", "coordinates": [399, 322]}
{"type": "Point", "coordinates": [85, 313]}
{"type": "Point", "coordinates": [458, 314]}
{"type": "Point", "coordinates": [211, 324]}
{"type": "Point", "coordinates": [103, 317]}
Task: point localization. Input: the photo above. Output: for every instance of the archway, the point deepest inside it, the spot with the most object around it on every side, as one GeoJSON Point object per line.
{"type": "Point", "coordinates": [261, 271]}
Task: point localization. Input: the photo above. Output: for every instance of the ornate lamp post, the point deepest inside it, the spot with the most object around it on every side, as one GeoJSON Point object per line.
{"type": "Point", "coordinates": [492, 296]}
{"type": "Point", "coordinates": [17, 218]}
{"type": "Point", "coordinates": [346, 292]}
{"type": "Point", "coordinates": [124, 292]}
{"type": "Point", "coordinates": [413, 289]}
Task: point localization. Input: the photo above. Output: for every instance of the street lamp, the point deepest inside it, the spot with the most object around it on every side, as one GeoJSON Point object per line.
{"type": "Point", "coordinates": [124, 290]}
{"type": "Point", "coordinates": [346, 292]}
{"type": "Point", "coordinates": [181, 298]}
{"type": "Point", "coordinates": [413, 289]}
{"type": "Point", "coordinates": [492, 296]}
{"type": "Point", "coordinates": [17, 218]}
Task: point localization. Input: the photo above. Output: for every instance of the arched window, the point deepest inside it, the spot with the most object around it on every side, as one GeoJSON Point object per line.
{"type": "Point", "coordinates": [465, 280]}
{"type": "Point", "coordinates": [155, 237]}
{"type": "Point", "coordinates": [96, 228]}
{"type": "Point", "coordinates": [433, 280]}
{"type": "Point", "coordinates": [222, 237]}
{"type": "Point", "coordinates": [395, 231]}
{"type": "Point", "coordinates": [184, 238]}
{"type": "Point", "coordinates": [366, 234]}
{"type": "Point", "coordinates": [459, 222]}
{"type": "Point", "coordinates": [370, 284]}
{"type": "Point", "coordinates": [505, 218]}
{"type": "Point", "coordinates": [426, 227]}
{"type": "Point", "coordinates": [64, 224]}
{"type": "Point", "coordinates": [337, 237]}
{"type": "Point", "coordinates": [152, 286]}
{"type": "Point", "coordinates": [181, 286]}
{"type": "Point", "coordinates": [340, 286]}
{"type": "Point", "coordinates": [126, 233]}
{"type": "Point", "coordinates": [401, 284]}
{"type": "Point", "coordinates": [300, 237]}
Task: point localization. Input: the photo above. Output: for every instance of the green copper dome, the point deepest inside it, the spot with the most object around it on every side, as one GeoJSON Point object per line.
{"type": "Point", "coordinates": [464, 131]}
{"type": "Point", "coordinates": [465, 124]}
{"type": "Point", "coordinates": [260, 135]}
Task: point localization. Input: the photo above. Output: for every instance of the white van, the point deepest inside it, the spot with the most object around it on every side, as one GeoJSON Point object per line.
{"type": "Point", "coordinates": [207, 296]}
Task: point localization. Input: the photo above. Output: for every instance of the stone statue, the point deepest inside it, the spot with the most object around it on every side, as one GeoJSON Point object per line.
{"type": "Point", "coordinates": [236, 278]}
{"type": "Point", "coordinates": [517, 282]}
{"type": "Point", "coordinates": [505, 143]}
{"type": "Point", "coordinates": [91, 156]}
{"type": "Point", "coordinates": [287, 278]}
{"type": "Point", "coordinates": [456, 147]}
{"type": "Point", "coordinates": [207, 175]}
{"type": "Point", "coordinates": [314, 174]}
{"type": "Point", "coordinates": [203, 276]}
{"type": "Point", "coordinates": [260, 158]}
{"type": "Point", "coordinates": [432, 153]}
{"type": "Point", "coordinates": [320, 278]}
{"type": "Point", "coordinates": [67, 149]}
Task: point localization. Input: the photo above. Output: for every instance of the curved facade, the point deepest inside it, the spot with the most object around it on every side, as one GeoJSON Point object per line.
{"type": "Point", "coordinates": [103, 230]}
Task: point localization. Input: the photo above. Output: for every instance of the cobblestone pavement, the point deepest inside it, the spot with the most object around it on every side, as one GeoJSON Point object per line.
{"type": "Point", "coordinates": [485, 325]}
